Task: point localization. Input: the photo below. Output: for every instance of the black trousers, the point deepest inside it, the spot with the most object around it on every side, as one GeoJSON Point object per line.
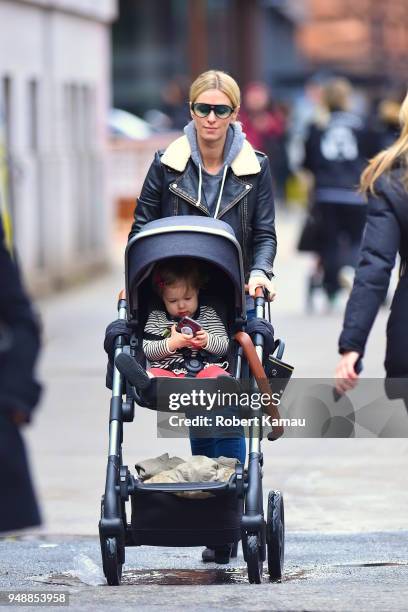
{"type": "Point", "coordinates": [342, 229]}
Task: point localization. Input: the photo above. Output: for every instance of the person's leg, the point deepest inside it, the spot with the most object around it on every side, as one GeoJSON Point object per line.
{"type": "Point", "coordinates": [330, 249]}
{"type": "Point", "coordinates": [251, 314]}
{"type": "Point", "coordinates": [353, 221]}
{"type": "Point", "coordinates": [224, 447]}
{"type": "Point", "coordinates": [250, 307]}
{"type": "Point", "coordinates": [212, 371]}
{"type": "Point", "coordinates": [231, 447]}
{"type": "Point", "coordinates": [353, 227]}
{"type": "Point", "coordinates": [161, 372]}
{"type": "Point", "coordinates": [203, 446]}
{"type": "Point", "coordinates": [214, 447]}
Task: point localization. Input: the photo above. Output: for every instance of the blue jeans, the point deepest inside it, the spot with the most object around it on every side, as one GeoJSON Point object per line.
{"type": "Point", "coordinates": [251, 314]}
{"type": "Point", "coordinates": [217, 447]}
{"type": "Point", "coordinates": [226, 447]}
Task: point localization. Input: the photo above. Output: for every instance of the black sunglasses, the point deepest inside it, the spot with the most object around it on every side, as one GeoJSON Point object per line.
{"type": "Point", "coordinates": [201, 109]}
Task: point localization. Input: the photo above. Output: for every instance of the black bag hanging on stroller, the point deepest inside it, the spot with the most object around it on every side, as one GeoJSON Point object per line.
{"type": "Point", "coordinates": [160, 518]}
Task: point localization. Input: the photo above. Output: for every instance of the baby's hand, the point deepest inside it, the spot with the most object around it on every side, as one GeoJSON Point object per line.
{"type": "Point", "coordinates": [200, 340]}
{"type": "Point", "coordinates": [178, 340]}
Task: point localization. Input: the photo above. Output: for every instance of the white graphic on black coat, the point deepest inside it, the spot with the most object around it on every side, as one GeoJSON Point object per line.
{"type": "Point", "coordinates": [339, 144]}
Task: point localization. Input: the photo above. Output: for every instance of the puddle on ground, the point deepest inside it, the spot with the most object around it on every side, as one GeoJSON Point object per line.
{"type": "Point", "coordinates": [374, 564]}
{"type": "Point", "coordinates": [196, 577]}
{"type": "Point", "coordinates": [174, 577]}
{"type": "Point", "coordinates": [185, 576]}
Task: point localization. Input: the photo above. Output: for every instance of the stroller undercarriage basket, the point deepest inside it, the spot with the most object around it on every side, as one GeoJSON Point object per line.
{"type": "Point", "coordinates": [162, 518]}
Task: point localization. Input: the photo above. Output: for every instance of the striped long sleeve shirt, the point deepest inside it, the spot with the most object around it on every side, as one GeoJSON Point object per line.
{"type": "Point", "coordinates": [157, 350]}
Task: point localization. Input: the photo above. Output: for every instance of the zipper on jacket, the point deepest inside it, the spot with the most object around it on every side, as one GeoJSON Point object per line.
{"type": "Point", "coordinates": [187, 198]}
{"type": "Point", "coordinates": [248, 188]}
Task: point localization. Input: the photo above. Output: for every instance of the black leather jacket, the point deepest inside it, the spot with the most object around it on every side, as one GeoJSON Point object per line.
{"type": "Point", "coordinates": [171, 188]}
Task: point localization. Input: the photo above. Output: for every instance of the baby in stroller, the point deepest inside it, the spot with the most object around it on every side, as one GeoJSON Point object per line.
{"type": "Point", "coordinates": [177, 282]}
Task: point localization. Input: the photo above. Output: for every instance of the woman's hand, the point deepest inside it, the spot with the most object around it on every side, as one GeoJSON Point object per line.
{"type": "Point", "coordinates": [178, 340]}
{"type": "Point", "coordinates": [261, 281]}
{"type": "Point", "coordinates": [346, 377]}
{"type": "Point", "coordinates": [200, 340]}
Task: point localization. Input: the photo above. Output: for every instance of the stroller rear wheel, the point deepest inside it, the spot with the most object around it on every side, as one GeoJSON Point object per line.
{"type": "Point", "coordinates": [113, 555]}
{"type": "Point", "coordinates": [112, 565]}
{"type": "Point", "coordinates": [275, 534]}
{"type": "Point", "coordinates": [253, 556]}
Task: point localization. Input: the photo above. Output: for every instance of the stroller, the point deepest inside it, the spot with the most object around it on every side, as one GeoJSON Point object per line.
{"type": "Point", "coordinates": [234, 511]}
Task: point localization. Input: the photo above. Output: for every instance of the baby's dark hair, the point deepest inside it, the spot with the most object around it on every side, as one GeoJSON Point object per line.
{"type": "Point", "coordinates": [176, 269]}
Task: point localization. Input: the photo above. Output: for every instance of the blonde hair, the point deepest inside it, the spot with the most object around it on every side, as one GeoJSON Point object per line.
{"type": "Point", "coordinates": [216, 79]}
{"type": "Point", "coordinates": [336, 94]}
{"type": "Point", "coordinates": [385, 160]}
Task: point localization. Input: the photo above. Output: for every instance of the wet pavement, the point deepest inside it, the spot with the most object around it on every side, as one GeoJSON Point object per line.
{"type": "Point", "coordinates": [336, 572]}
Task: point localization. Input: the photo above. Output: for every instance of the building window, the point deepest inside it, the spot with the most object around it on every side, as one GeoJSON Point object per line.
{"type": "Point", "coordinates": [37, 171]}
{"type": "Point", "coordinates": [33, 115]}
{"type": "Point", "coordinates": [84, 178]}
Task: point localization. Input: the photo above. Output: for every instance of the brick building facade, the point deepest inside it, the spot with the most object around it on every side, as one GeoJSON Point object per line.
{"type": "Point", "coordinates": [362, 37]}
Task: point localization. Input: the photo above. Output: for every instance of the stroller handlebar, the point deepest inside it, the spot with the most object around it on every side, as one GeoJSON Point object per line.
{"type": "Point", "coordinates": [260, 292]}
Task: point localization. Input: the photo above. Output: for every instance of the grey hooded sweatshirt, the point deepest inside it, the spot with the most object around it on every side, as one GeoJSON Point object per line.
{"type": "Point", "coordinates": [210, 186]}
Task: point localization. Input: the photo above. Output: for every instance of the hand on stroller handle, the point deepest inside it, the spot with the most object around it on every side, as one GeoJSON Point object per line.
{"type": "Point", "coordinates": [260, 286]}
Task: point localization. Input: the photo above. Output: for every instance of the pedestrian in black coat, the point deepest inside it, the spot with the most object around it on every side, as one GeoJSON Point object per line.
{"type": "Point", "coordinates": [386, 233]}
{"type": "Point", "coordinates": [19, 393]}
{"type": "Point", "coordinates": [336, 150]}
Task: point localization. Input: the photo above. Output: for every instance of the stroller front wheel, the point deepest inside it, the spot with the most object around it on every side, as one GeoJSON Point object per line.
{"type": "Point", "coordinates": [275, 535]}
{"type": "Point", "coordinates": [254, 559]}
{"type": "Point", "coordinates": [112, 565]}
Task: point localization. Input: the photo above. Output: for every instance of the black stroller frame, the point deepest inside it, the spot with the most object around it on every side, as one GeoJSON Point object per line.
{"type": "Point", "coordinates": [235, 509]}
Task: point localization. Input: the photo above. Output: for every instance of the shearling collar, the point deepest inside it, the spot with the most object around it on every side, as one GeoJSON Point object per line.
{"type": "Point", "coordinates": [178, 153]}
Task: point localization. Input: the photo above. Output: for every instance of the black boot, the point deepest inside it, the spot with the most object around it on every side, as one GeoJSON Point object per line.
{"type": "Point", "coordinates": [208, 555]}
{"type": "Point", "coordinates": [218, 554]}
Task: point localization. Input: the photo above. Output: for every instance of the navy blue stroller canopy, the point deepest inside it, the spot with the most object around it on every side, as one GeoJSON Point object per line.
{"type": "Point", "coordinates": [208, 240]}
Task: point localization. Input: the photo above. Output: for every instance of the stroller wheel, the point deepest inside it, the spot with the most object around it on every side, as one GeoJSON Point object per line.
{"type": "Point", "coordinates": [112, 565]}
{"type": "Point", "coordinates": [275, 535]}
{"type": "Point", "coordinates": [254, 559]}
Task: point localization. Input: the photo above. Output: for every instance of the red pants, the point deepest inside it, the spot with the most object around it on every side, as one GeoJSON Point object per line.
{"type": "Point", "coordinates": [213, 371]}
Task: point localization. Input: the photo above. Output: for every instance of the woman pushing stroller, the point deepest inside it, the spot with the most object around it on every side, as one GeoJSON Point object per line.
{"type": "Point", "coordinates": [213, 171]}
